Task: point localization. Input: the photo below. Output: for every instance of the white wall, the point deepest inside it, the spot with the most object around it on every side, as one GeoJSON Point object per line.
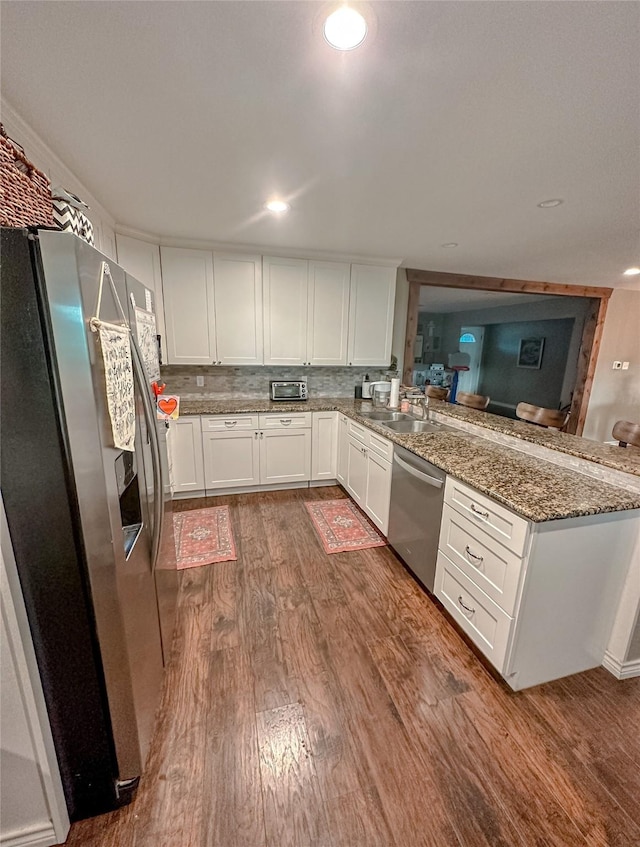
{"type": "Point", "coordinates": [615, 395]}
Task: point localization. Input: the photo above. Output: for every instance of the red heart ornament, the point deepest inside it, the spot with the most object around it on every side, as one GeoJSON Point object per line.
{"type": "Point", "coordinates": [168, 405]}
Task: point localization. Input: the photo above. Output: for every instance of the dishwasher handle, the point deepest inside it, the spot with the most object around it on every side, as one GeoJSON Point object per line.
{"type": "Point", "coordinates": [430, 480]}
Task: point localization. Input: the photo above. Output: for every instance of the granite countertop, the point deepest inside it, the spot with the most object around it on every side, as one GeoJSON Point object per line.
{"type": "Point", "coordinates": [533, 488]}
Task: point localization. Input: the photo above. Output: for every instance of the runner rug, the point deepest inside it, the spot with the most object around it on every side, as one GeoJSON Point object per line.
{"type": "Point", "coordinates": [203, 537]}
{"type": "Point", "coordinates": [342, 526]}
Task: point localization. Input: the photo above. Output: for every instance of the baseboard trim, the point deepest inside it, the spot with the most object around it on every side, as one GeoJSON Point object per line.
{"type": "Point", "coordinates": [621, 670]}
{"type": "Point", "coordinates": [252, 489]}
{"type": "Point", "coordinates": [36, 836]}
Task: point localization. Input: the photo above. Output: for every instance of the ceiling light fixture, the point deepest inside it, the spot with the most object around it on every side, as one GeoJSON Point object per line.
{"type": "Point", "coordinates": [632, 271]}
{"type": "Point", "coordinates": [345, 29]}
{"type": "Point", "coordinates": [550, 204]}
{"type": "Point", "coordinates": [450, 244]}
{"type": "Point", "coordinates": [277, 206]}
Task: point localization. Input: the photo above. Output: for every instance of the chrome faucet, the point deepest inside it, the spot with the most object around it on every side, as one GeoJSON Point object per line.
{"type": "Point", "coordinates": [424, 402]}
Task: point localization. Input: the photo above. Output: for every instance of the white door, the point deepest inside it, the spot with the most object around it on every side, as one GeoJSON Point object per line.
{"type": "Point", "coordinates": [238, 309]}
{"type": "Point", "coordinates": [142, 261]}
{"type": "Point", "coordinates": [285, 455]}
{"type": "Point", "coordinates": [378, 492]}
{"type": "Point", "coordinates": [231, 459]}
{"type": "Point", "coordinates": [471, 342]}
{"type": "Point", "coordinates": [328, 313]}
{"type": "Point", "coordinates": [285, 311]}
{"type": "Point", "coordinates": [186, 455]}
{"type": "Point", "coordinates": [343, 451]}
{"type": "Point", "coordinates": [356, 471]}
{"type": "Point", "coordinates": [324, 442]}
{"type": "Point", "coordinates": [373, 292]}
{"type": "Point", "coordinates": [187, 279]}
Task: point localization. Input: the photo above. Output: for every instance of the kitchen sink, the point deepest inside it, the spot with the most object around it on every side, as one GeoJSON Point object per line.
{"type": "Point", "coordinates": [384, 415]}
{"type": "Point", "coordinates": [411, 425]}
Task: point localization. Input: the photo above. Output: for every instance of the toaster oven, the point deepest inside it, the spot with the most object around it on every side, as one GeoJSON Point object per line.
{"type": "Point", "coordinates": [289, 389]}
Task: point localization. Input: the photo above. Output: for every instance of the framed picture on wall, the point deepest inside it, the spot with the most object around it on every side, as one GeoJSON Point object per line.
{"type": "Point", "coordinates": [530, 352]}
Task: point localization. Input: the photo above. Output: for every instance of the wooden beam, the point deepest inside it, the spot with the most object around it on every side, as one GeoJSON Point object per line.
{"type": "Point", "coordinates": [521, 286]}
{"type": "Point", "coordinates": [587, 359]}
{"type": "Point", "coordinates": [413, 307]}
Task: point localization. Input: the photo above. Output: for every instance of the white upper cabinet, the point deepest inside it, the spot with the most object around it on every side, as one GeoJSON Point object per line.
{"type": "Point", "coordinates": [328, 313]}
{"type": "Point", "coordinates": [142, 261]}
{"type": "Point", "coordinates": [238, 309]}
{"type": "Point", "coordinates": [373, 291]}
{"type": "Point", "coordinates": [187, 279]}
{"type": "Point", "coordinates": [285, 311]}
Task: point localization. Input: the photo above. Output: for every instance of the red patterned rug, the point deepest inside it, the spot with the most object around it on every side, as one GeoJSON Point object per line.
{"type": "Point", "coordinates": [342, 526]}
{"type": "Point", "coordinates": [203, 536]}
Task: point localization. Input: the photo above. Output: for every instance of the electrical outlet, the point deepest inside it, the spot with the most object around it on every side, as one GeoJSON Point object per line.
{"type": "Point", "coordinates": [617, 366]}
{"type": "Point", "coordinates": [625, 366]}
{"type": "Point", "coordinates": [200, 381]}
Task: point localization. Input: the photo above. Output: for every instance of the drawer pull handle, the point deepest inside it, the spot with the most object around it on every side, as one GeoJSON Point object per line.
{"type": "Point", "coordinates": [478, 512]}
{"type": "Point", "coordinates": [471, 611]}
{"type": "Point", "coordinates": [230, 423]}
{"type": "Point", "coordinates": [285, 421]}
{"type": "Point", "coordinates": [473, 557]}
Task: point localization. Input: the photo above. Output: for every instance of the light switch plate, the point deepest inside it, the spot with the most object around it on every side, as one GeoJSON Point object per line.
{"type": "Point", "coordinates": [625, 366]}
{"type": "Point", "coordinates": [200, 381]}
{"type": "Point", "coordinates": [617, 366]}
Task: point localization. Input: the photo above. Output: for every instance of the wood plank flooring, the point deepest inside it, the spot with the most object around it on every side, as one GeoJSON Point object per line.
{"type": "Point", "coordinates": [326, 701]}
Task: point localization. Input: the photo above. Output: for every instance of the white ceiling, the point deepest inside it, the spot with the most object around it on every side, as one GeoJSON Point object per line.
{"type": "Point", "coordinates": [435, 300]}
{"type": "Point", "coordinates": [449, 124]}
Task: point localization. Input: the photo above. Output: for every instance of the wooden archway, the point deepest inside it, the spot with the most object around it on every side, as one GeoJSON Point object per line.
{"type": "Point", "coordinates": [591, 332]}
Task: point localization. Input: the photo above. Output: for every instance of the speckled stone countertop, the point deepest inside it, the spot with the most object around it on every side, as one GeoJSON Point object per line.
{"type": "Point", "coordinates": [533, 488]}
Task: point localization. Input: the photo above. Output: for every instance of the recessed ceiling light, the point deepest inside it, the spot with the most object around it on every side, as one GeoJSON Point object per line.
{"type": "Point", "coordinates": [277, 206]}
{"type": "Point", "coordinates": [632, 271]}
{"type": "Point", "coordinates": [345, 29]}
{"type": "Point", "coordinates": [450, 244]}
{"type": "Point", "coordinates": [550, 204]}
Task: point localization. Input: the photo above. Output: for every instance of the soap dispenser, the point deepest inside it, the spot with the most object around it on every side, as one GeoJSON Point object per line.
{"type": "Point", "coordinates": [366, 390]}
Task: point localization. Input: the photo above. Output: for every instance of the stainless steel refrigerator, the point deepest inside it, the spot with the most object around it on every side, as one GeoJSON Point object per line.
{"type": "Point", "coordinates": [91, 525]}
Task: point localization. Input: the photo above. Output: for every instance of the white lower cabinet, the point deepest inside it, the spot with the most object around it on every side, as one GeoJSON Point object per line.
{"type": "Point", "coordinates": [231, 459]}
{"type": "Point", "coordinates": [186, 460]}
{"type": "Point", "coordinates": [285, 456]}
{"type": "Point", "coordinates": [343, 450]}
{"type": "Point", "coordinates": [538, 599]}
{"type": "Point", "coordinates": [324, 445]}
{"type": "Point", "coordinates": [369, 474]}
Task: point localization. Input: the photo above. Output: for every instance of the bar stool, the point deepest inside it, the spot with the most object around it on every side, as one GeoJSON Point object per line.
{"type": "Point", "coordinates": [551, 418]}
{"type": "Point", "coordinates": [626, 432]}
{"type": "Point", "coordinates": [436, 392]}
{"type": "Point", "coordinates": [472, 401]}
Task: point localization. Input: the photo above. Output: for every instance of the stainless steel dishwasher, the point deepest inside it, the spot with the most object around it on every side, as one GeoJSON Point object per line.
{"type": "Point", "coordinates": [417, 493]}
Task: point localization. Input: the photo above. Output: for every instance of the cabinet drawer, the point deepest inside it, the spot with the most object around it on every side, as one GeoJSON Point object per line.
{"type": "Point", "coordinates": [483, 621]}
{"type": "Point", "coordinates": [488, 564]}
{"type": "Point", "coordinates": [229, 423]}
{"type": "Point", "coordinates": [497, 521]}
{"type": "Point", "coordinates": [381, 446]}
{"type": "Point", "coordinates": [290, 420]}
{"type": "Point", "coordinates": [358, 432]}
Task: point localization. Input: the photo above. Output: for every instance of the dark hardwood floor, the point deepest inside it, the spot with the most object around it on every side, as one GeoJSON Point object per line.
{"type": "Point", "coordinates": [325, 701]}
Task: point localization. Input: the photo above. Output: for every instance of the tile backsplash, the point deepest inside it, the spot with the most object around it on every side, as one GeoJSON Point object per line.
{"type": "Point", "coordinates": [252, 383]}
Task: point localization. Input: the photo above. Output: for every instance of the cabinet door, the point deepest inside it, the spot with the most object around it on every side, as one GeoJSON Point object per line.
{"type": "Point", "coordinates": [231, 459]}
{"type": "Point", "coordinates": [238, 309]}
{"type": "Point", "coordinates": [328, 313]}
{"type": "Point", "coordinates": [356, 471]}
{"type": "Point", "coordinates": [378, 491]}
{"type": "Point", "coordinates": [285, 311]}
{"type": "Point", "coordinates": [285, 455]}
{"type": "Point", "coordinates": [187, 279]}
{"type": "Point", "coordinates": [186, 455]}
{"type": "Point", "coordinates": [324, 444]}
{"type": "Point", "coordinates": [373, 292]}
{"type": "Point", "coordinates": [142, 261]}
{"type": "Point", "coordinates": [343, 450]}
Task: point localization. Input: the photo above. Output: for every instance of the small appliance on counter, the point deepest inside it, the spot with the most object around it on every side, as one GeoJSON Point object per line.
{"type": "Point", "coordinates": [288, 390]}
{"type": "Point", "coordinates": [366, 388]}
{"type": "Point", "coordinates": [380, 392]}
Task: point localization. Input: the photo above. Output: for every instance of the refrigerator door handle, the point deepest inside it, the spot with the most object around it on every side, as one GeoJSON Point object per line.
{"type": "Point", "coordinates": [158, 481]}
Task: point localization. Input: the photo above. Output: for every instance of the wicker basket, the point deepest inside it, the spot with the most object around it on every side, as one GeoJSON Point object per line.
{"type": "Point", "coordinates": [25, 192]}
